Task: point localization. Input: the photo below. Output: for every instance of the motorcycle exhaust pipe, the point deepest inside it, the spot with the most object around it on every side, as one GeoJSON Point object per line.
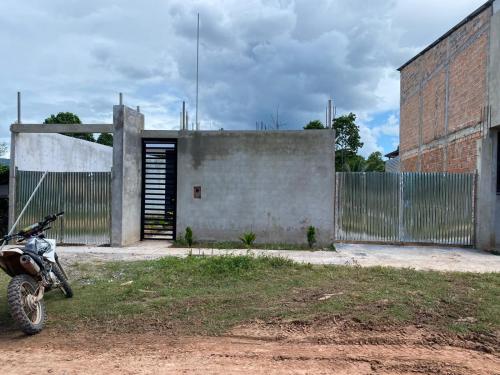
{"type": "Point", "coordinates": [29, 265]}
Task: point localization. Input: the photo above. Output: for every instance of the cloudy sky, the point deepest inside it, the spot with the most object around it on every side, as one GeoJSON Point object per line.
{"type": "Point", "coordinates": [257, 57]}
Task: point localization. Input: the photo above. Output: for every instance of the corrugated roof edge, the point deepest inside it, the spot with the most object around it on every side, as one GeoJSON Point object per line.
{"type": "Point", "coordinates": [449, 32]}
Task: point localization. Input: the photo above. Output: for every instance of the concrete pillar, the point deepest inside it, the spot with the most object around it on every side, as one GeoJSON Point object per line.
{"type": "Point", "coordinates": [488, 203]}
{"type": "Point", "coordinates": [494, 66]}
{"type": "Point", "coordinates": [486, 193]}
{"type": "Point", "coordinates": [126, 176]}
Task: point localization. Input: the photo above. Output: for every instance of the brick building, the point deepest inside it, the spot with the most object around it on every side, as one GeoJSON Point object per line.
{"type": "Point", "coordinates": [450, 111]}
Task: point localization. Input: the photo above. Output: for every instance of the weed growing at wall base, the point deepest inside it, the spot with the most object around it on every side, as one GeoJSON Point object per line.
{"type": "Point", "coordinates": [248, 238]}
{"type": "Point", "coordinates": [311, 236]}
{"type": "Point", "coordinates": [188, 236]}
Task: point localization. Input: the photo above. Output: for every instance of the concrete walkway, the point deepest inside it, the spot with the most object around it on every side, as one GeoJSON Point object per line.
{"type": "Point", "coordinates": [417, 257]}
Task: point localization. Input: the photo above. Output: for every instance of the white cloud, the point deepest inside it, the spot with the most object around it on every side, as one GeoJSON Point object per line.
{"type": "Point", "coordinates": [255, 55]}
{"type": "Point", "coordinates": [370, 141]}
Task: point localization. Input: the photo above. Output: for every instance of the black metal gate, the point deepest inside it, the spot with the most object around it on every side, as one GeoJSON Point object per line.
{"type": "Point", "coordinates": [159, 189]}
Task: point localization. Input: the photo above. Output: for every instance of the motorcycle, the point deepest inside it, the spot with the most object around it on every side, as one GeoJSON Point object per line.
{"type": "Point", "coordinates": [34, 269]}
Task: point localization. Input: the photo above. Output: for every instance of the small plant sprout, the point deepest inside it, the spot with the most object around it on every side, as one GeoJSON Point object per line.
{"type": "Point", "coordinates": [311, 236]}
{"type": "Point", "coordinates": [248, 238]}
{"type": "Point", "coordinates": [188, 236]}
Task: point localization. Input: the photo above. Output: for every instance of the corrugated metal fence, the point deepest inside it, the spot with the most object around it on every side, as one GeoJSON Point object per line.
{"type": "Point", "coordinates": [84, 196]}
{"type": "Point", "coordinates": [405, 207]}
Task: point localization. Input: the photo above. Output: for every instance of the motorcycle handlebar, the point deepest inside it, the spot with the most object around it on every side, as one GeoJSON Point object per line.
{"type": "Point", "coordinates": [35, 228]}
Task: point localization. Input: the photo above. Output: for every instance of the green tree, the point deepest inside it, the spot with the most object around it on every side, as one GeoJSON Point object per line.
{"type": "Point", "coordinates": [352, 163]}
{"type": "Point", "coordinates": [3, 148]}
{"type": "Point", "coordinates": [347, 142]}
{"type": "Point", "coordinates": [315, 124]}
{"type": "Point", "coordinates": [105, 139]}
{"type": "Point", "coordinates": [374, 163]}
{"type": "Point", "coordinates": [69, 118]}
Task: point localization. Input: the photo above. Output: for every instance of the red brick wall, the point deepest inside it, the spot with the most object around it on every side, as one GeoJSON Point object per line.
{"type": "Point", "coordinates": [462, 154]}
{"type": "Point", "coordinates": [409, 135]}
{"type": "Point", "coordinates": [433, 111]}
{"type": "Point", "coordinates": [409, 164]}
{"type": "Point", "coordinates": [462, 56]}
{"type": "Point", "coordinates": [468, 86]}
{"type": "Point", "coordinates": [432, 160]}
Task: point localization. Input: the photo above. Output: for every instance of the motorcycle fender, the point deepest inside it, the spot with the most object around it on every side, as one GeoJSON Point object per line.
{"type": "Point", "coordinates": [51, 254]}
{"type": "Point", "coordinates": [9, 261]}
{"type": "Point", "coordinates": [8, 252]}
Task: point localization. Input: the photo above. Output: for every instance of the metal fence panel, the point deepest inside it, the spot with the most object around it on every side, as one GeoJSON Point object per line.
{"type": "Point", "coordinates": [367, 206]}
{"type": "Point", "coordinates": [406, 207]}
{"type": "Point", "coordinates": [84, 196]}
{"type": "Point", "coordinates": [438, 208]}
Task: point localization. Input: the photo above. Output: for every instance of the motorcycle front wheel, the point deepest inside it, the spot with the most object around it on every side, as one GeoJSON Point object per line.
{"type": "Point", "coordinates": [64, 284]}
{"type": "Point", "coordinates": [28, 313]}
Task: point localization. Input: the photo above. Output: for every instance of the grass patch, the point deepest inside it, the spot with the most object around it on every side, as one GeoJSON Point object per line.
{"type": "Point", "coordinates": [237, 245]}
{"type": "Point", "coordinates": [208, 295]}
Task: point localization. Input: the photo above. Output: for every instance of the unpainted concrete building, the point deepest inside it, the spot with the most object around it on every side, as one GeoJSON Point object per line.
{"type": "Point", "coordinates": [450, 111]}
{"type": "Point", "coordinates": [220, 183]}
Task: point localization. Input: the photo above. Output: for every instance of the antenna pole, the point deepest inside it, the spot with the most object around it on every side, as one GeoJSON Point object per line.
{"type": "Point", "coordinates": [197, 68]}
{"type": "Point", "coordinates": [18, 107]}
{"type": "Point", "coordinates": [183, 127]}
{"type": "Point", "coordinates": [329, 114]}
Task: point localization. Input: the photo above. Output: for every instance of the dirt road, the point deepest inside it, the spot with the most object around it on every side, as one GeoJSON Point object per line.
{"type": "Point", "coordinates": [290, 348]}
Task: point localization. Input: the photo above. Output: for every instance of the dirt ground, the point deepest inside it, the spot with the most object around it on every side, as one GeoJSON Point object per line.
{"type": "Point", "coordinates": [365, 255]}
{"type": "Point", "coordinates": [271, 348]}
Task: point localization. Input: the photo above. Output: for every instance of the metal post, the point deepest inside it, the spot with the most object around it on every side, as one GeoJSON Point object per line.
{"type": "Point", "coordinates": [121, 99]}
{"type": "Point", "coordinates": [329, 116]}
{"type": "Point", "coordinates": [18, 107]}
{"type": "Point", "coordinates": [27, 203]}
{"type": "Point", "coordinates": [183, 115]}
{"type": "Point", "coordinates": [401, 208]}
{"type": "Point", "coordinates": [197, 68]}
{"type": "Point", "coordinates": [12, 178]}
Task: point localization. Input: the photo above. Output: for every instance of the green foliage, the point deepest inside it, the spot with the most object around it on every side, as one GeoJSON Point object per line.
{"type": "Point", "coordinates": [346, 161]}
{"type": "Point", "coordinates": [347, 143]}
{"type": "Point", "coordinates": [4, 174]}
{"type": "Point", "coordinates": [248, 238]}
{"type": "Point", "coordinates": [105, 139]}
{"type": "Point", "coordinates": [357, 163]}
{"type": "Point", "coordinates": [374, 163]}
{"type": "Point", "coordinates": [63, 118]}
{"type": "Point", "coordinates": [315, 124]}
{"type": "Point", "coordinates": [3, 148]}
{"type": "Point", "coordinates": [209, 295]}
{"type": "Point", "coordinates": [232, 245]}
{"type": "Point", "coordinates": [311, 236]}
{"type": "Point", "coordinates": [69, 118]}
{"type": "Point", "coordinates": [347, 133]}
{"type": "Point", "coordinates": [188, 236]}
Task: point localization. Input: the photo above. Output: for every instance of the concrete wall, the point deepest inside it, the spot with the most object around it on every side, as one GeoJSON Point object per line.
{"type": "Point", "coordinates": [60, 153]}
{"type": "Point", "coordinates": [494, 65]}
{"type": "Point", "coordinates": [126, 176]}
{"type": "Point", "coordinates": [486, 192]}
{"type": "Point", "coordinates": [444, 92]}
{"type": "Point", "coordinates": [275, 184]}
